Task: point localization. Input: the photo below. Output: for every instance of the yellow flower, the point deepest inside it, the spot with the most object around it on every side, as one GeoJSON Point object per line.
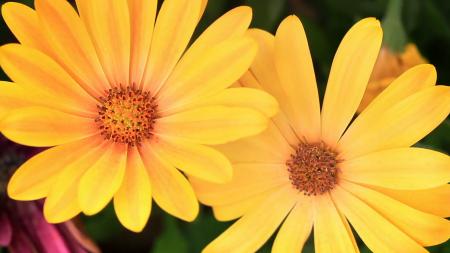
{"type": "Point", "coordinates": [389, 66]}
{"type": "Point", "coordinates": [309, 170]}
{"type": "Point", "coordinates": [123, 105]}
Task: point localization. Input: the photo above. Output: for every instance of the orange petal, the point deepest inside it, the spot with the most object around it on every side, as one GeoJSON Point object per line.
{"type": "Point", "coordinates": [174, 27]}
{"type": "Point", "coordinates": [142, 18]}
{"type": "Point", "coordinates": [34, 179]}
{"type": "Point", "coordinates": [108, 23]}
{"type": "Point", "coordinates": [171, 190]}
{"type": "Point", "coordinates": [133, 200]}
{"type": "Point", "coordinates": [61, 203]}
{"type": "Point", "coordinates": [24, 24]}
{"type": "Point", "coordinates": [349, 75]}
{"type": "Point", "coordinates": [71, 44]}
{"type": "Point", "coordinates": [100, 182]}
{"type": "Point", "coordinates": [44, 127]}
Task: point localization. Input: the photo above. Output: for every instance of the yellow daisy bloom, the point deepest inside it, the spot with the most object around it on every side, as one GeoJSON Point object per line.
{"type": "Point", "coordinates": [319, 169]}
{"type": "Point", "coordinates": [389, 65]}
{"type": "Point", "coordinates": [124, 105]}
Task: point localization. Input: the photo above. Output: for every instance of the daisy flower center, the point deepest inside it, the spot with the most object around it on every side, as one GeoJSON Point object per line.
{"type": "Point", "coordinates": [127, 115]}
{"type": "Point", "coordinates": [313, 168]}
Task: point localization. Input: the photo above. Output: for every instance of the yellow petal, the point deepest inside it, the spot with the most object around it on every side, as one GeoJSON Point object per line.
{"type": "Point", "coordinates": [296, 228]}
{"type": "Point", "coordinates": [108, 23]}
{"type": "Point", "coordinates": [235, 210]}
{"type": "Point", "coordinates": [296, 72]}
{"type": "Point", "coordinates": [378, 233]}
{"type": "Point", "coordinates": [171, 190]}
{"type": "Point", "coordinates": [174, 27]}
{"type": "Point", "coordinates": [238, 18]}
{"type": "Point", "coordinates": [196, 160]}
{"type": "Point", "coordinates": [424, 228]}
{"type": "Point", "coordinates": [249, 179]}
{"type": "Point", "coordinates": [34, 70]}
{"type": "Point", "coordinates": [403, 168]}
{"type": "Point", "coordinates": [142, 19]}
{"type": "Point", "coordinates": [330, 231]}
{"type": "Point", "coordinates": [213, 124]}
{"type": "Point", "coordinates": [412, 81]}
{"type": "Point", "coordinates": [434, 200]}
{"type": "Point", "coordinates": [401, 125]}
{"type": "Point", "coordinates": [61, 203]}
{"type": "Point", "coordinates": [71, 44]}
{"type": "Point", "coordinates": [242, 97]}
{"type": "Point", "coordinates": [34, 178]}
{"type": "Point", "coordinates": [14, 96]}
{"type": "Point", "coordinates": [217, 68]}
{"type": "Point", "coordinates": [133, 200]}
{"type": "Point", "coordinates": [349, 75]}
{"type": "Point", "coordinates": [250, 232]}
{"type": "Point", "coordinates": [44, 127]}
{"type": "Point", "coordinates": [99, 184]}
{"type": "Point", "coordinates": [203, 7]}
{"type": "Point", "coordinates": [267, 147]}
{"type": "Point", "coordinates": [24, 24]}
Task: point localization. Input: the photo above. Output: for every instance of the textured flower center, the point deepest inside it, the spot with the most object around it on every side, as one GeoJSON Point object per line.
{"type": "Point", "coordinates": [127, 115]}
{"type": "Point", "coordinates": [313, 168]}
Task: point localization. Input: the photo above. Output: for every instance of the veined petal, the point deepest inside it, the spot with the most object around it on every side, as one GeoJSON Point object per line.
{"type": "Point", "coordinates": [249, 179]}
{"type": "Point", "coordinates": [424, 228]}
{"type": "Point", "coordinates": [14, 96]}
{"type": "Point", "coordinates": [34, 178]}
{"type": "Point", "coordinates": [45, 127]}
{"type": "Point", "coordinates": [238, 18]}
{"type": "Point", "coordinates": [100, 182]}
{"type": "Point", "coordinates": [410, 82]}
{"type": "Point", "coordinates": [238, 209]}
{"type": "Point", "coordinates": [261, 222]}
{"type": "Point", "coordinates": [6, 230]}
{"type": "Point", "coordinates": [403, 168]}
{"type": "Point", "coordinates": [108, 23]}
{"type": "Point", "coordinates": [196, 160]}
{"type": "Point", "coordinates": [296, 72]}
{"type": "Point", "coordinates": [401, 125]}
{"type": "Point", "coordinates": [170, 188]}
{"type": "Point", "coordinates": [434, 200]}
{"type": "Point", "coordinates": [296, 228]}
{"type": "Point", "coordinates": [24, 24]}
{"type": "Point", "coordinates": [212, 124]}
{"type": "Point", "coordinates": [350, 73]}
{"type": "Point", "coordinates": [330, 228]}
{"type": "Point", "coordinates": [71, 44]}
{"type": "Point", "coordinates": [217, 68]}
{"type": "Point", "coordinates": [242, 97]}
{"type": "Point", "coordinates": [142, 20]}
{"type": "Point", "coordinates": [378, 233]}
{"type": "Point", "coordinates": [133, 200]}
{"type": "Point", "coordinates": [174, 27]}
{"type": "Point", "coordinates": [267, 147]}
{"type": "Point", "coordinates": [34, 70]}
{"type": "Point", "coordinates": [61, 203]}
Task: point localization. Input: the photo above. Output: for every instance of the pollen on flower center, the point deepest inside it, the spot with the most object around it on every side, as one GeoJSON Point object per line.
{"type": "Point", "coordinates": [127, 115]}
{"type": "Point", "coordinates": [313, 168]}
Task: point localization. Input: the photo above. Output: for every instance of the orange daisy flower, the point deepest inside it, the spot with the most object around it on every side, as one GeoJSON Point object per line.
{"type": "Point", "coordinates": [319, 169]}
{"type": "Point", "coordinates": [123, 104]}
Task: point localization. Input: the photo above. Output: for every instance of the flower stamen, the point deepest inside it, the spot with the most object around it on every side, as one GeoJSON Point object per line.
{"type": "Point", "coordinates": [127, 115]}
{"type": "Point", "coordinates": [313, 168]}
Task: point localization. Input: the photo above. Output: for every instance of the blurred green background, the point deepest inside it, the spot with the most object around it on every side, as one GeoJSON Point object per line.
{"type": "Point", "coordinates": [425, 23]}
